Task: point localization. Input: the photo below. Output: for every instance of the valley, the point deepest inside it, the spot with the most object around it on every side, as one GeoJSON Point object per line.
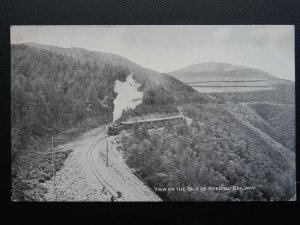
{"type": "Point", "coordinates": [241, 128]}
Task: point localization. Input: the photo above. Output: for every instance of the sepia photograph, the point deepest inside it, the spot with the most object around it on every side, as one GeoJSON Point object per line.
{"type": "Point", "coordinates": [152, 113]}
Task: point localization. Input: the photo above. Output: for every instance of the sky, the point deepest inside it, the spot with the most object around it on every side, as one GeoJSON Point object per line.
{"type": "Point", "coordinates": [168, 48]}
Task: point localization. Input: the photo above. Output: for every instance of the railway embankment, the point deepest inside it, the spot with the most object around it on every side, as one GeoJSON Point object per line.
{"type": "Point", "coordinates": [86, 176]}
{"type": "Point", "coordinates": [74, 182]}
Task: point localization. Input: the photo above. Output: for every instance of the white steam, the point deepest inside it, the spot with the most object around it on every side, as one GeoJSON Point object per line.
{"type": "Point", "coordinates": [128, 96]}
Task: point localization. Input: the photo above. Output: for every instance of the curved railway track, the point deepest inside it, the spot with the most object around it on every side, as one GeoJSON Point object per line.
{"type": "Point", "coordinates": [113, 192]}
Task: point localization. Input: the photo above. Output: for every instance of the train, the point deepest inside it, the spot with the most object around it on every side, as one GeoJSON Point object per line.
{"type": "Point", "coordinates": [116, 128]}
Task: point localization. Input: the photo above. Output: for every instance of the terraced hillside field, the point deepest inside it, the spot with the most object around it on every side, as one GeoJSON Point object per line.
{"type": "Point", "coordinates": [221, 77]}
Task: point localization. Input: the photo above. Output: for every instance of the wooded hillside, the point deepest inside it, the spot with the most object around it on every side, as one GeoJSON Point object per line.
{"type": "Point", "coordinates": [62, 92]}
{"type": "Point", "coordinates": [217, 150]}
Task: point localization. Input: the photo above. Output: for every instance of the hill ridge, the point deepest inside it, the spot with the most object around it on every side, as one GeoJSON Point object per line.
{"type": "Point", "coordinates": [212, 66]}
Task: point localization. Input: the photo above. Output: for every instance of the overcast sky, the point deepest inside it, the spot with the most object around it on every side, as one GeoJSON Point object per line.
{"type": "Point", "coordinates": [168, 48]}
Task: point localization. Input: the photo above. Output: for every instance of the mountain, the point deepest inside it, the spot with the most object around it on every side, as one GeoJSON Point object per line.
{"type": "Point", "coordinates": [220, 71]}
{"type": "Point", "coordinates": [223, 77]}
{"type": "Point", "coordinates": [83, 55]}
{"type": "Point", "coordinates": [86, 55]}
{"type": "Point", "coordinates": [207, 66]}
{"type": "Point", "coordinates": [103, 59]}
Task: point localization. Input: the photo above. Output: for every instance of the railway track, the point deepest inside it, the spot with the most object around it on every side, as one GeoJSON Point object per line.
{"type": "Point", "coordinates": [113, 192]}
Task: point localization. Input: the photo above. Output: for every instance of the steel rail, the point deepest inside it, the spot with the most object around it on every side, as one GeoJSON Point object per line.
{"type": "Point", "coordinates": [94, 170]}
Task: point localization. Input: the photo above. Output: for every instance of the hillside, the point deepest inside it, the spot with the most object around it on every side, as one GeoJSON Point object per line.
{"type": "Point", "coordinates": [222, 77]}
{"type": "Point", "coordinates": [74, 84]}
{"type": "Point", "coordinates": [280, 119]}
{"type": "Point", "coordinates": [63, 92]}
{"type": "Point", "coordinates": [223, 147]}
{"type": "Point", "coordinates": [83, 55]}
{"type": "Point", "coordinates": [246, 138]}
{"type": "Point", "coordinates": [270, 100]}
{"type": "Point", "coordinates": [149, 78]}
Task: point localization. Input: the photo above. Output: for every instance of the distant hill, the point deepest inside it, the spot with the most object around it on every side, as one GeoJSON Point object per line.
{"type": "Point", "coordinates": [220, 71]}
{"type": "Point", "coordinates": [207, 66]}
{"type": "Point", "coordinates": [272, 99]}
{"type": "Point", "coordinates": [223, 77]}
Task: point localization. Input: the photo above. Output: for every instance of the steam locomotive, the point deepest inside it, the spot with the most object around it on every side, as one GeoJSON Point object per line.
{"type": "Point", "coordinates": [116, 128]}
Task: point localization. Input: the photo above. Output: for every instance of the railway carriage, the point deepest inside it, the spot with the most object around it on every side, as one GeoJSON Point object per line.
{"type": "Point", "coordinates": [116, 128]}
